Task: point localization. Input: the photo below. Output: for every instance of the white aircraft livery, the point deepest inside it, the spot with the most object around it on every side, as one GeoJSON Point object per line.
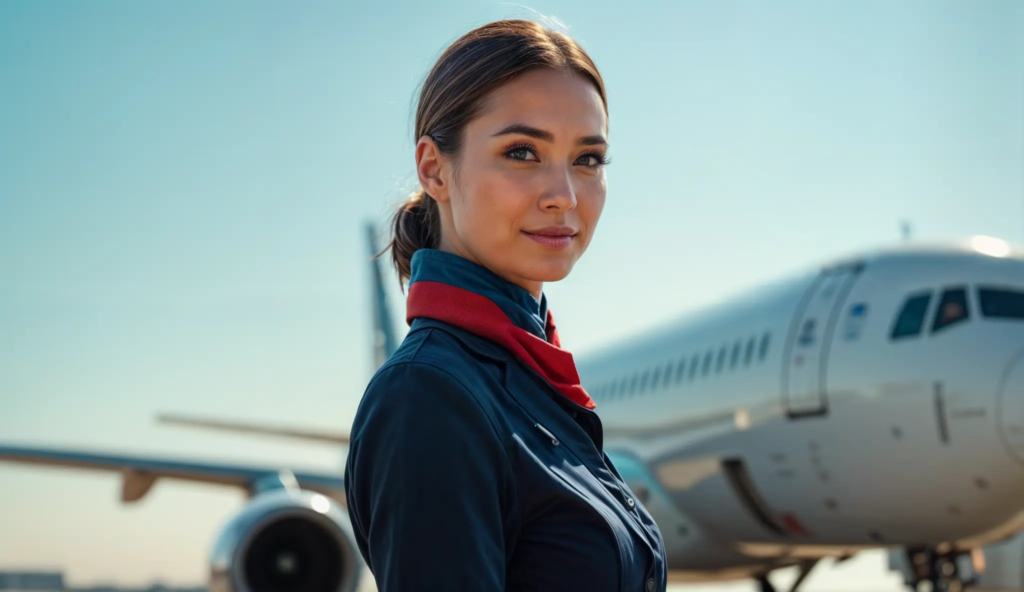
{"type": "Point", "coordinates": [877, 402]}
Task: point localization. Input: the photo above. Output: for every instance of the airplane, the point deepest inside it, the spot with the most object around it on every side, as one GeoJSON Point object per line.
{"type": "Point", "coordinates": [876, 402]}
{"type": "Point", "coordinates": [294, 533]}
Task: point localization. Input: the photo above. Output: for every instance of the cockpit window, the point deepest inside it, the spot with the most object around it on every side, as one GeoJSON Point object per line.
{"type": "Point", "coordinates": [952, 309]}
{"type": "Point", "coordinates": [998, 303]}
{"type": "Point", "coordinates": [911, 317]}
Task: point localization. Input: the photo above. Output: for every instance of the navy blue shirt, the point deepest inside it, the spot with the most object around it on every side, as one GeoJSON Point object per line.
{"type": "Point", "coordinates": [468, 471]}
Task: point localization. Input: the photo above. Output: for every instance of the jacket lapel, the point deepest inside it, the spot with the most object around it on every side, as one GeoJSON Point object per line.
{"type": "Point", "coordinates": [531, 392]}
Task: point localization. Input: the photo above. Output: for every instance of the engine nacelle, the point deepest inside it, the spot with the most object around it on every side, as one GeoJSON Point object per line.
{"type": "Point", "coordinates": [287, 541]}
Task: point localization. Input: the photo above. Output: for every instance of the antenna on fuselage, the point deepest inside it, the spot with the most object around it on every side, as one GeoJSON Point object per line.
{"type": "Point", "coordinates": [906, 230]}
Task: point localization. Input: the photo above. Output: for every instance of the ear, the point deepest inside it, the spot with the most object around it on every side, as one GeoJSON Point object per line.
{"type": "Point", "coordinates": [432, 169]}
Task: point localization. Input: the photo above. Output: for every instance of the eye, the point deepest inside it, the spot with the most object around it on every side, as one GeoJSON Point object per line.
{"type": "Point", "coordinates": [520, 152]}
{"type": "Point", "coordinates": [593, 160]}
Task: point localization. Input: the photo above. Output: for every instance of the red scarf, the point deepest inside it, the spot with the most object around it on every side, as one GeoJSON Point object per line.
{"type": "Point", "coordinates": [481, 316]}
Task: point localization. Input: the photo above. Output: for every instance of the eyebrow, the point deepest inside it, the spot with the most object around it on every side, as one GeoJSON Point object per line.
{"type": "Point", "coordinates": [526, 130]}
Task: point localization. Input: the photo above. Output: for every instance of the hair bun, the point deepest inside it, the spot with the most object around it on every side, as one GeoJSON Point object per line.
{"type": "Point", "coordinates": [416, 196]}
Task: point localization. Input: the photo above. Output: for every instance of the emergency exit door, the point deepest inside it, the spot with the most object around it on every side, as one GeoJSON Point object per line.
{"type": "Point", "coordinates": [810, 336]}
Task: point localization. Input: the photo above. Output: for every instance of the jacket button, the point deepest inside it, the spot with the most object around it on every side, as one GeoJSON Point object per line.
{"type": "Point", "coordinates": [650, 585]}
{"type": "Point", "coordinates": [631, 504]}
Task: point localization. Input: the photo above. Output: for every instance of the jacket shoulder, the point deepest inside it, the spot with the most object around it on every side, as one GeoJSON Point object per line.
{"type": "Point", "coordinates": [448, 348]}
{"type": "Point", "coordinates": [434, 366]}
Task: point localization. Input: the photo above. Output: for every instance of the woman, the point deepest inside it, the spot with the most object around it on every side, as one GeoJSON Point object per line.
{"type": "Point", "coordinates": [476, 458]}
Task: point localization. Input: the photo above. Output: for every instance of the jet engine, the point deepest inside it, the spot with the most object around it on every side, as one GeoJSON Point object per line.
{"type": "Point", "coordinates": [286, 540]}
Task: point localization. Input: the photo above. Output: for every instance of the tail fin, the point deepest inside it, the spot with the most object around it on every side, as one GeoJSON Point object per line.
{"type": "Point", "coordinates": [384, 341]}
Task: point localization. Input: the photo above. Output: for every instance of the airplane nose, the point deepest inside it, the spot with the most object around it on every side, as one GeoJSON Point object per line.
{"type": "Point", "coordinates": [1011, 407]}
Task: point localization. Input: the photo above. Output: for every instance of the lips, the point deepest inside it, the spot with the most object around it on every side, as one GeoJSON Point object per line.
{"type": "Point", "coordinates": [553, 237]}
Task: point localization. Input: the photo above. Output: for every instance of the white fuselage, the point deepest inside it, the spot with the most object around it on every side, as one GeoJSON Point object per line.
{"type": "Point", "coordinates": [792, 423]}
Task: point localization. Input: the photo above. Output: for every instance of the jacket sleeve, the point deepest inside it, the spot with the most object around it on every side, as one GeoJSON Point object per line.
{"type": "Point", "coordinates": [429, 485]}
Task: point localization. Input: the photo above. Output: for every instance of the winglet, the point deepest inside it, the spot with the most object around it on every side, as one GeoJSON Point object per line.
{"type": "Point", "coordinates": [384, 341]}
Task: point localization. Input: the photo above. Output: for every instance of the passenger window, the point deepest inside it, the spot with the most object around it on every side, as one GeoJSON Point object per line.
{"type": "Point", "coordinates": [707, 362]}
{"type": "Point", "coordinates": [633, 383]}
{"type": "Point", "coordinates": [763, 351]}
{"type": "Point", "coordinates": [680, 370]}
{"type": "Point", "coordinates": [721, 359]}
{"type": "Point", "coordinates": [643, 381]}
{"type": "Point", "coordinates": [807, 333]}
{"type": "Point", "coordinates": [911, 317]}
{"type": "Point", "coordinates": [997, 303]}
{"type": "Point", "coordinates": [952, 309]}
{"type": "Point", "coordinates": [736, 349]}
{"type": "Point", "coordinates": [667, 376]}
{"type": "Point", "coordinates": [656, 377]}
{"type": "Point", "coordinates": [694, 363]}
{"type": "Point", "coordinates": [749, 355]}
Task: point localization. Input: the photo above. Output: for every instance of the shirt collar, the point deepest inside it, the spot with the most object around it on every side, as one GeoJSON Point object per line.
{"type": "Point", "coordinates": [525, 311]}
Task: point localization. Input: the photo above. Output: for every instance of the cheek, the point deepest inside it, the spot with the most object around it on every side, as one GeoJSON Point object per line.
{"type": "Point", "coordinates": [496, 204]}
{"type": "Point", "coordinates": [591, 203]}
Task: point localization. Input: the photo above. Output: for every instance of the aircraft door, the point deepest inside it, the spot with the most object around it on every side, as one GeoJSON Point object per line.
{"type": "Point", "coordinates": [810, 336]}
{"type": "Point", "coordinates": [1010, 407]}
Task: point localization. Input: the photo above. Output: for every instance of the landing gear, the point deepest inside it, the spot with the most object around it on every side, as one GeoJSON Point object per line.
{"type": "Point", "coordinates": [943, 569]}
{"type": "Point", "coordinates": [805, 568]}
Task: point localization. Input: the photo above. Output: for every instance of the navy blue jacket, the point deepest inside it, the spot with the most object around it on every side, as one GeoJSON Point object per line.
{"type": "Point", "coordinates": [468, 471]}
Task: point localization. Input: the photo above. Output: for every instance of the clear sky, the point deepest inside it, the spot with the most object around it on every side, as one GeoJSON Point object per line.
{"type": "Point", "coordinates": [182, 187]}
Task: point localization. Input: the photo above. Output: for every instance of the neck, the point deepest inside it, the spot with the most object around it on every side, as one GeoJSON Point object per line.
{"type": "Point", "coordinates": [518, 304]}
{"type": "Point", "coordinates": [533, 287]}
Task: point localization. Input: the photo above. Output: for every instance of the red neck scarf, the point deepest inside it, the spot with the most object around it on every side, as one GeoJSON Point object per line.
{"type": "Point", "coordinates": [481, 316]}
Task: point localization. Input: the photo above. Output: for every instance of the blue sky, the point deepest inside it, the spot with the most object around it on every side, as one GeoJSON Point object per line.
{"type": "Point", "coordinates": [182, 187]}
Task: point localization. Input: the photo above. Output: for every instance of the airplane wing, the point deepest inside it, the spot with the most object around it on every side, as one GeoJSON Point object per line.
{"type": "Point", "coordinates": [140, 473]}
{"type": "Point", "coordinates": [252, 428]}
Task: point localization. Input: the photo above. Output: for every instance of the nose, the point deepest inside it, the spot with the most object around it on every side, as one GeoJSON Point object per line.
{"type": "Point", "coordinates": [559, 194]}
{"type": "Point", "coordinates": [1010, 407]}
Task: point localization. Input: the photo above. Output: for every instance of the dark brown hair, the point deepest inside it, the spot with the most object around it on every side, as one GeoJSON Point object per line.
{"type": "Point", "coordinates": [452, 95]}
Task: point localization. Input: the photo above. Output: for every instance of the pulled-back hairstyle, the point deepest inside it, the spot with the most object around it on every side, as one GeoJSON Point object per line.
{"type": "Point", "coordinates": [476, 64]}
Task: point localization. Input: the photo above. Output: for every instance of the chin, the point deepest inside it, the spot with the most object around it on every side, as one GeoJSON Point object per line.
{"type": "Point", "coordinates": [550, 270]}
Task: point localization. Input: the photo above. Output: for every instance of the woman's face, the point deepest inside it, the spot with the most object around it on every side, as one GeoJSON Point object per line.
{"type": "Point", "coordinates": [523, 196]}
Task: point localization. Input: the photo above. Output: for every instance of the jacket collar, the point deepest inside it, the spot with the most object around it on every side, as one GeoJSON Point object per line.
{"type": "Point", "coordinates": [525, 311]}
{"type": "Point", "coordinates": [534, 394]}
